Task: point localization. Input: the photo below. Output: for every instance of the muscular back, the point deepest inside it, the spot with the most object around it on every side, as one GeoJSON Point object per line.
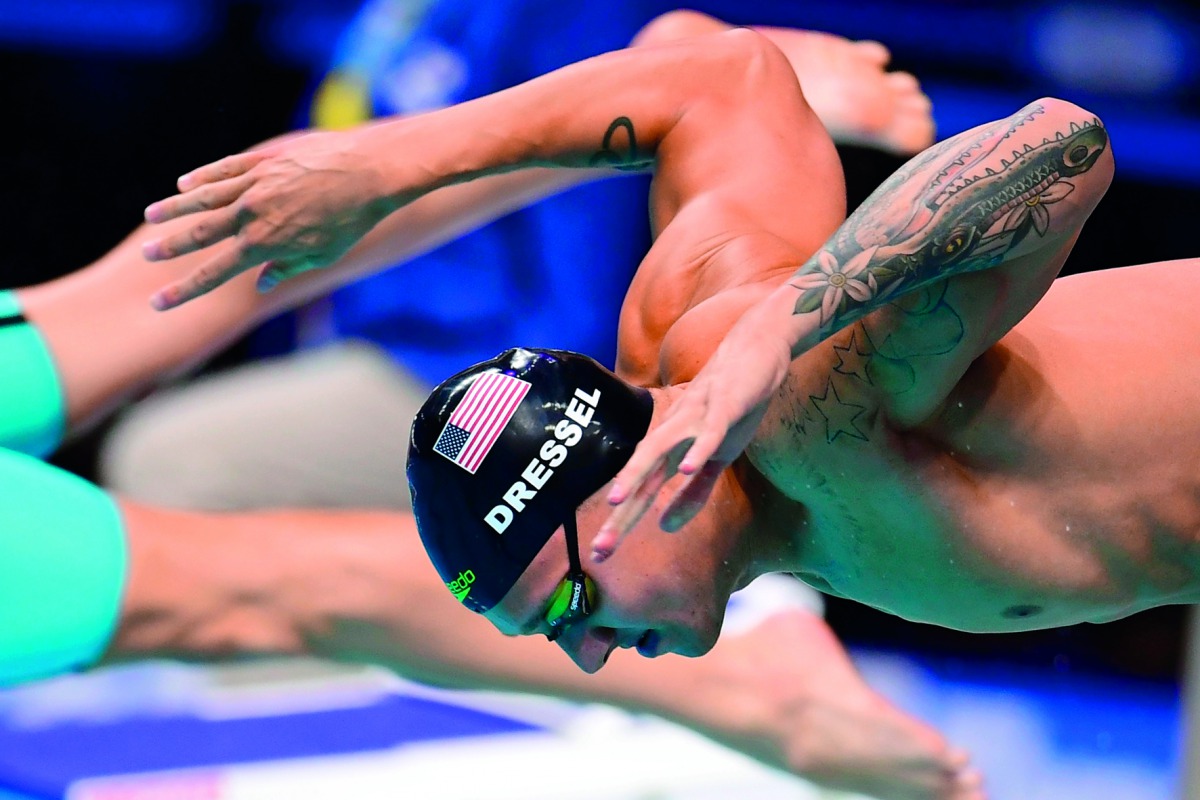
{"type": "Point", "coordinates": [1058, 482]}
{"type": "Point", "coordinates": [1084, 422]}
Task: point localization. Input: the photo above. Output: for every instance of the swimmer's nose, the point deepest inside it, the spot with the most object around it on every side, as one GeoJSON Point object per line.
{"type": "Point", "coordinates": [588, 647]}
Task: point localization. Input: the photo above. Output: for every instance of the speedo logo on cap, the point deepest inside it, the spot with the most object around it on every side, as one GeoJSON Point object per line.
{"type": "Point", "coordinates": [552, 453]}
{"type": "Point", "coordinates": [480, 418]}
{"type": "Point", "coordinates": [461, 586]}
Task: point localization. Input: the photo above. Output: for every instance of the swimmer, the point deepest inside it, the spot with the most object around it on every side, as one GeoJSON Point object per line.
{"type": "Point", "coordinates": [133, 579]}
{"type": "Point", "coordinates": [931, 423]}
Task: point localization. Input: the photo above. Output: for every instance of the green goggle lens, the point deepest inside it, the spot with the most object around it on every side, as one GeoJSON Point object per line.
{"type": "Point", "coordinates": [574, 599]}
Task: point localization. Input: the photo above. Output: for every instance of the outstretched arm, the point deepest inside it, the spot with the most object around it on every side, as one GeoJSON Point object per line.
{"type": "Point", "coordinates": [301, 204]}
{"type": "Point", "coordinates": [990, 215]}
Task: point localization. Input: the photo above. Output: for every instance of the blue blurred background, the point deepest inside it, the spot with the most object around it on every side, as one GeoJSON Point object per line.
{"type": "Point", "coordinates": [105, 102]}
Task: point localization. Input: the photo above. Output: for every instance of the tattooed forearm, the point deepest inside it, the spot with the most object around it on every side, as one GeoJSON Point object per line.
{"type": "Point", "coordinates": [962, 206]}
{"type": "Point", "coordinates": [623, 155]}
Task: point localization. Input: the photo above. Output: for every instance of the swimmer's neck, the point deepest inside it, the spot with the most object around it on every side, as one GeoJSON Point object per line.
{"type": "Point", "coordinates": [745, 512]}
{"type": "Point", "coordinates": [776, 527]}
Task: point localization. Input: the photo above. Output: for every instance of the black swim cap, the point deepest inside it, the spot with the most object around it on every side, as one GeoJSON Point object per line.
{"type": "Point", "coordinates": [503, 452]}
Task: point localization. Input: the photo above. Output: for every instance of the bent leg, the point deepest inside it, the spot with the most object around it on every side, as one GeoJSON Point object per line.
{"type": "Point", "coordinates": [845, 82]}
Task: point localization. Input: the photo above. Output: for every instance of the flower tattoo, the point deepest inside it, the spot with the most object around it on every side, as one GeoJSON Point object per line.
{"type": "Point", "coordinates": [834, 281]}
{"type": "Point", "coordinates": [1035, 207]}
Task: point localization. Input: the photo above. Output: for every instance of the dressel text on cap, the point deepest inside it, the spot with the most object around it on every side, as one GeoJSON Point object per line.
{"type": "Point", "coordinates": [551, 455]}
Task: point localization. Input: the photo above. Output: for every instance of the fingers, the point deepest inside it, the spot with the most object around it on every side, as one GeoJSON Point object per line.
{"type": "Point", "coordinates": [206, 231]}
{"type": "Point", "coordinates": [702, 450]}
{"type": "Point", "coordinates": [654, 450]}
{"type": "Point", "coordinates": [691, 497]}
{"type": "Point", "coordinates": [626, 515]}
{"type": "Point", "coordinates": [212, 274]}
{"type": "Point", "coordinates": [203, 198]}
{"type": "Point", "coordinates": [226, 168]}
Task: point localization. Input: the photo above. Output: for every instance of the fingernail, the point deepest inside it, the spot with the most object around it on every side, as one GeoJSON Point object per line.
{"type": "Point", "coordinates": [600, 554]}
{"type": "Point", "coordinates": [185, 182]}
{"type": "Point", "coordinates": [153, 212]}
{"type": "Point", "coordinates": [615, 495]}
{"type": "Point", "coordinates": [150, 250]}
{"type": "Point", "coordinates": [266, 283]}
{"type": "Point", "coordinates": [160, 301]}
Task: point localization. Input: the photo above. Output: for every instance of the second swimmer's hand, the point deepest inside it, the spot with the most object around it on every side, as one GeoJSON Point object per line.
{"type": "Point", "coordinates": [703, 432]}
{"type": "Point", "coordinates": [289, 207]}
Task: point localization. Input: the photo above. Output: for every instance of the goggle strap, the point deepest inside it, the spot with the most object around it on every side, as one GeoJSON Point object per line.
{"type": "Point", "coordinates": [573, 546]}
{"type": "Point", "coordinates": [572, 532]}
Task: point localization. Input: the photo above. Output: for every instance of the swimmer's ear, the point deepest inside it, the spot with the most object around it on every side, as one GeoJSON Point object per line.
{"type": "Point", "coordinates": [691, 497]}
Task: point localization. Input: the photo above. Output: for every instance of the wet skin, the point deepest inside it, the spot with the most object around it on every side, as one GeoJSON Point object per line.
{"type": "Point", "coordinates": [1058, 482]}
{"type": "Point", "coordinates": [1038, 494]}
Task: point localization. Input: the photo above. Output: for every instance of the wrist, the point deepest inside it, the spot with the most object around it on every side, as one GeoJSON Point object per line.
{"type": "Point", "coordinates": [417, 155]}
{"type": "Point", "coordinates": [773, 327]}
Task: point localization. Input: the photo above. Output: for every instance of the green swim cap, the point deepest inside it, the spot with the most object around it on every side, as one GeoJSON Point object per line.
{"type": "Point", "coordinates": [503, 452]}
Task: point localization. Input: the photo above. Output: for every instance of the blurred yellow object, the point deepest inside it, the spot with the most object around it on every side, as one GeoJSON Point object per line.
{"type": "Point", "coordinates": [341, 101]}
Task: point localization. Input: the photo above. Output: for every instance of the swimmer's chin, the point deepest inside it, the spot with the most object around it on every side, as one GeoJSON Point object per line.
{"type": "Point", "coordinates": [693, 645]}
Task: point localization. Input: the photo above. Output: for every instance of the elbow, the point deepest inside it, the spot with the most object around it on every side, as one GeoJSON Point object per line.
{"type": "Point", "coordinates": [747, 69]}
{"type": "Point", "coordinates": [739, 62]}
{"type": "Point", "coordinates": [1088, 147]}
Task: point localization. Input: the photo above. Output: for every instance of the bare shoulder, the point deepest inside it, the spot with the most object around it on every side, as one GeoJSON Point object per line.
{"type": "Point", "coordinates": [691, 288]}
{"type": "Point", "coordinates": [1118, 348]}
{"type": "Point", "coordinates": [1164, 285]}
{"type": "Point", "coordinates": [1122, 304]}
{"type": "Point", "coordinates": [744, 191]}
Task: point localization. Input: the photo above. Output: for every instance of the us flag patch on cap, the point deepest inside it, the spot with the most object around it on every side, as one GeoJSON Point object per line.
{"type": "Point", "coordinates": [476, 424]}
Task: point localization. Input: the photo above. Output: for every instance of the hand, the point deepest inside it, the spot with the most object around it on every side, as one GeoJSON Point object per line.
{"type": "Point", "coordinates": [705, 429]}
{"type": "Point", "coordinates": [289, 207]}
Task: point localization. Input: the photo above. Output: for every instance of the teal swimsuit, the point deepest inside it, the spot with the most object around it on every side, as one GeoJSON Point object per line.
{"type": "Point", "coordinates": [63, 556]}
